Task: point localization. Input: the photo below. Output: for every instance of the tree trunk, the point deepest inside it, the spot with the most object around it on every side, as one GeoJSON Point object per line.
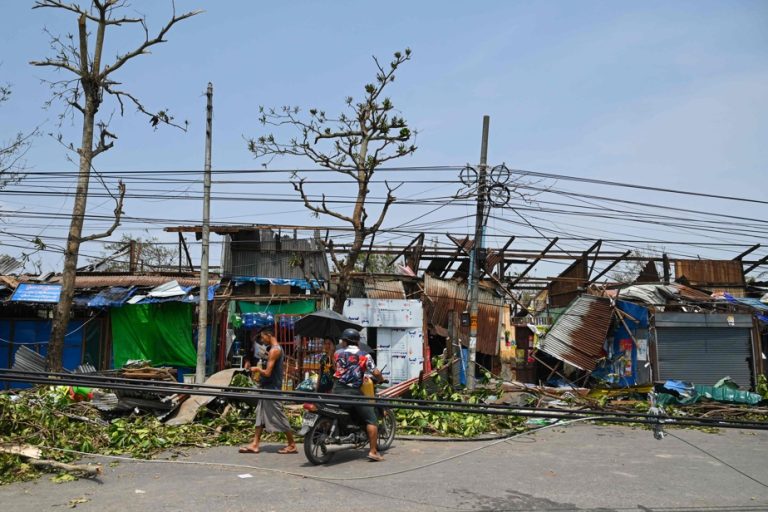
{"type": "Point", "coordinates": [342, 286]}
{"type": "Point", "coordinates": [54, 359]}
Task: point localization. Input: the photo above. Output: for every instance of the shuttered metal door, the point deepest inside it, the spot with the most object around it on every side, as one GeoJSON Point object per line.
{"type": "Point", "coordinates": [704, 355]}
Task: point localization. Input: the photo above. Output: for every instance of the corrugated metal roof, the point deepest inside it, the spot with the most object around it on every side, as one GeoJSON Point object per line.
{"type": "Point", "coordinates": [268, 254]}
{"type": "Point", "coordinates": [660, 294]}
{"type": "Point", "coordinates": [8, 264]}
{"type": "Point", "coordinates": [384, 289]}
{"type": "Point", "coordinates": [692, 294]}
{"type": "Point", "coordinates": [443, 296]}
{"type": "Point", "coordinates": [130, 280]}
{"type": "Point", "coordinates": [27, 360]}
{"type": "Point", "coordinates": [578, 335]}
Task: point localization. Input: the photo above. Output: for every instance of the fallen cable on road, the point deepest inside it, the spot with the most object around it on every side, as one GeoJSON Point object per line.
{"type": "Point", "coordinates": [323, 478]}
{"type": "Point", "coordinates": [391, 473]}
{"type": "Point", "coordinates": [236, 393]}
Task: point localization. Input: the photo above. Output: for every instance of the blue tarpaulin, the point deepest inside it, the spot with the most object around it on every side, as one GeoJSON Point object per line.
{"type": "Point", "coordinates": [111, 297]}
{"type": "Point", "coordinates": [187, 297]}
{"type": "Point", "coordinates": [299, 283]}
{"type": "Point", "coordinates": [621, 365]}
{"type": "Point", "coordinates": [747, 301]}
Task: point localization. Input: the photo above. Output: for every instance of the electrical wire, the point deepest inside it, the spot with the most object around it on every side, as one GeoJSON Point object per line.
{"type": "Point", "coordinates": [718, 459]}
{"type": "Point", "coordinates": [322, 478]}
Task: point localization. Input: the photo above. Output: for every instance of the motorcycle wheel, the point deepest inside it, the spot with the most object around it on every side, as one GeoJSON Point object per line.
{"type": "Point", "coordinates": [314, 442]}
{"type": "Point", "coordinates": [387, 426]}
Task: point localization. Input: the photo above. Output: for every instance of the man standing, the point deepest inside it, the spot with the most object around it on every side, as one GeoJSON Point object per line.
{"type": "Point", "coordinates": [351, 366]}
{"type": "Point", "coordinates": [269, 413]}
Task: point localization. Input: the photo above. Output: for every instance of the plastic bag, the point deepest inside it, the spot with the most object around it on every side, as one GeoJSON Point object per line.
{"type": "Point", "coordinates": [306, 385]}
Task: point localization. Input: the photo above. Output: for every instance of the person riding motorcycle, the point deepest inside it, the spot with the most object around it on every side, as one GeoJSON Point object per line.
{"type": "Point", "coordinates": [351, 365]}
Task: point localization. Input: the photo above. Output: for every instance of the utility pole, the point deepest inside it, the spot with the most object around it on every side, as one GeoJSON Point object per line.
{"type": "Point", "coordinates": [477, 256]}
{"type": "Point", "coordinates": [202, 323]}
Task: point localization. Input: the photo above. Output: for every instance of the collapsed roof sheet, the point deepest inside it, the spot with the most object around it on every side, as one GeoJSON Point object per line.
{"type": "Point", "coordinates": [578, 335]}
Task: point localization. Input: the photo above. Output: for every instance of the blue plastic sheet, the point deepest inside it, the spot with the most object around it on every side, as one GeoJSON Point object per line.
{"type": "Point", "coordinates": [299, 283]}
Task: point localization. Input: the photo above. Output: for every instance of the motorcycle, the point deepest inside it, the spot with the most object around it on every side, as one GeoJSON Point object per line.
{"type": "Point", "coordinates": [329, 429]}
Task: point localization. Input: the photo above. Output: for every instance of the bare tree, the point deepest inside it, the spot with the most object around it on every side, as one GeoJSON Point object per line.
{"type": "Point", "coordinates": [89, 81]}
{"type": "Point", "coordinates": [627, 272]}
{"type": "Point", "coordinates": [354, 144]}
{"type": "Point", "coordinates": [150, 254]}
{"type": "Point", "coordinates": [12, 151]}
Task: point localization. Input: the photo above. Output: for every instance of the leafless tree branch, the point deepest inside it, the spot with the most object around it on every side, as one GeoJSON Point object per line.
{"type": "Point", "coordinates": [354, 143]}
{"type": "Point", "coordinates": [118, 215]}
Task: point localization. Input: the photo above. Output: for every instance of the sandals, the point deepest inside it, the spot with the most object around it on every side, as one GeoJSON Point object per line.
{"type": "Point", "coordinates": [287, 450]}
{"type": "Point", "coordinates": [247, 449]}
{"type": "Point", "coordinates": [375, 458]}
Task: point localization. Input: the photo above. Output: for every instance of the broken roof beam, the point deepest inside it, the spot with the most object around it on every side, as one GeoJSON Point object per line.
{"type": "Point", "coordinates": [748, 251]}
{"type": "Point", "coordinates": [228, 228]}
{"type": "Point", "coordinates": [415, 255]}
{"type": "Point", "coordinates": [609, 267]}
{"type": "Point", "coordinates": [465, 246]}
{"type": "Point", "coordinates": [534, 262]}
{"type": "Point", "coordinates": [762, 261]}
{"type": "Point", "coordinates": [595, 247]}
{"type": "Point", "coordinates": [504, 264]}
{"type": "Point", "coordinates": [186, 250]}
{"type": "Point", "coordinates": [484, 270]}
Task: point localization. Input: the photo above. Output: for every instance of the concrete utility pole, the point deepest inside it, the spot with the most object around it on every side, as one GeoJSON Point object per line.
{"type": "Point", "coordinates": [477, 254]}
{"type": "Point", "coordinates": [202, 323]}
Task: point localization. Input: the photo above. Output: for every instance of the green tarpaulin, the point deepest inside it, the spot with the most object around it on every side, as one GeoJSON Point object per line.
{"type": "Point", "coordinates": [161, 333]}
{"type": "Point", "coordinates": [301, 307]}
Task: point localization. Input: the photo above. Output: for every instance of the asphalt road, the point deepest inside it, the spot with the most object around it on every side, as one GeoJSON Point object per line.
{"type": "Point", "coordinates": [576, 467]}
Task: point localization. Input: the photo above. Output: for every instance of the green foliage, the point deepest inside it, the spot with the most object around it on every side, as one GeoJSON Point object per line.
{"type": "Point", "coordinates": [762, 386]}
{"type": "Point", "coordinates": [241, 380]}
{"type": "Point", "coordinates": [45, 418]}
{"type": "Point", "coordinates": [63, 477]}
{"type": "Point", "coordinates": [451, 423]}
{"type": "Point", "coordinates": [374, 263]}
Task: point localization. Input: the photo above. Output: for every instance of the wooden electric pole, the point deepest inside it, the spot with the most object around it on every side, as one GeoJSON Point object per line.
{"type": "Point", "coordinates": [477, 256]}
{"type": "Point", "coordinates": [202, 324]}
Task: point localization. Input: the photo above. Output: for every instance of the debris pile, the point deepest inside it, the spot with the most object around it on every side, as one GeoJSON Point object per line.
{"type": "Point", "coordinates": [48, 428]}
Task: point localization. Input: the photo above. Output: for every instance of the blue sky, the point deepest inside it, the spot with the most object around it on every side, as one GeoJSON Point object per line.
{"type": "Point", "coordinates": [671, 94]}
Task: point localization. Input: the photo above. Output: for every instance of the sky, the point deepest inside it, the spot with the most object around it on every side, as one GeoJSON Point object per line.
{"type": "Point", "coordinates": [664, 94]}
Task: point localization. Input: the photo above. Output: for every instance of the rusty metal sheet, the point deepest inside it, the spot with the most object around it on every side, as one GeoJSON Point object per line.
{"type": "Point", "coordinates": [688, 293]}
{"type": "Point", "coordinates": [566, 287]}
{"type": "Point", "coordinates": [649, 274]}
{"type": "Point", "coordinates": [94, 281]}
{"type": "Point", "coordinates": [441, 297]}
{"type": "Point", "coordinates": [710, 272]}
{"type": "Point", "coordinates": [384, 289]}
{"type": "Point", "coordinates": [578, 335]}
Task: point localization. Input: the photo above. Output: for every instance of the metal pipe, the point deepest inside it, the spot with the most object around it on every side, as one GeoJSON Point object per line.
{"type": "Point", "coordinates": [333, 448]}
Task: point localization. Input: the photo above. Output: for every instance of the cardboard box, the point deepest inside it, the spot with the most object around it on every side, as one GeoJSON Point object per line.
{"type": "Point", "coordinates": [279, 289]}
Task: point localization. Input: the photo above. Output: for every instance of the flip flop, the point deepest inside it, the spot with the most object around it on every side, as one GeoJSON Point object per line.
{"type": "Point", "coordinates": [246, 449]}
{"type": "Point", "coordinates": [375, 458]}
{"type": "Point", "coordinates": [286, 450]}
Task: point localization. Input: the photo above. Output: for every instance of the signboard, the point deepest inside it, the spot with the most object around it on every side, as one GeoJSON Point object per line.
{"type": "Point", "coordinates": [28, 292]}
{"type": "Point", "coordinates": [399, 334]}
{"type": "Point", "coordinates": [384, 312]}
